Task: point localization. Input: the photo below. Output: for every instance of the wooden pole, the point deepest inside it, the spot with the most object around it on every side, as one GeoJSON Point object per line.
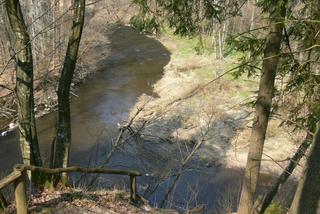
{"type": "Point", "coordinates": [3, 201]}
{"type": "Point", "coordinates": [20, 193]}
{"type": "Point", "coordinates": [133, 189]}
{"type": "Point", "coordinates": [10, 179]}
{"type": "Point", "coordinates": [80, 169]}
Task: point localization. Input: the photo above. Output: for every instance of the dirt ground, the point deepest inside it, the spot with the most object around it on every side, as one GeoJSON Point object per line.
{"type": "Point", "coordinates": [75, 201]}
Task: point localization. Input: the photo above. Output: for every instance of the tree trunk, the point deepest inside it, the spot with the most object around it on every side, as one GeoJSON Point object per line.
{"type": "Point", "coordinates": [41, 17]}
{"type": "Point", "coordinates": [307, 197]}
{"type": "Point", "coordinates": [6, 35]}
{"type": "Point", "coordinates": [62, 142]}
{"type": "Point", "coordinates": [253, 13]}
{"type": "Point", "coordinates": [56, 46]}
{"type": "Point", "coordinates": [24, 85]}
{"type": "Point", "coordinates": [263, 107]}
{"type": "Point", "coordinates": [253, 9]}
{"type": "Point", "coordinates": [301, 152]}
{"type": "Point", "coordinates": [218, 41]}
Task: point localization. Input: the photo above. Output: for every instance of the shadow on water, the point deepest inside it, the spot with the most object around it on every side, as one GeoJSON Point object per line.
{"type": "Point", "coordinates": [203, 181]}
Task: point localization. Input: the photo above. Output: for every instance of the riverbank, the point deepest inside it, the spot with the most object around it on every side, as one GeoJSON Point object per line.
{"type": "Point", "coordinates": [195, 104]}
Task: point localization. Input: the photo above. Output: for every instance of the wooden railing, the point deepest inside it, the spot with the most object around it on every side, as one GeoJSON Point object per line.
{"type": "Point", "coordinates": [18, 176]}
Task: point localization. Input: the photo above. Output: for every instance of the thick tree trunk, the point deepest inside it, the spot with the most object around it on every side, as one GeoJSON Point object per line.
{"type": "Point", "coordinates": [61, 148]}
{"type": "Point", "coordinates": [24, 85]}
{"type": "Point", "coordinates": [307, 197]}
{"type": "Point", "coordinates": [263, 107]}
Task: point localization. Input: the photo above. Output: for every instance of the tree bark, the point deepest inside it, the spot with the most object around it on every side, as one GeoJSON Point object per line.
{"type": "Point", "coordinates": [218, 41]}
{"type": "Point", "coordinates": [24, 85]}
{"type": "Point", "coordinates": [61, 148]}
{"type": "Point", "coordinates": [263, 107]}
{"type": "Point", "coordinates": [253, 13]}
{"type": "Point", "coordinates": [41, 16]}
{"type": "Point", "coordinates": [5, 36]}
{"type": "Point", "coordinates": [285, 174]}
{"type": "Point", "coordinates": [307, 196]}
{"type": "Point", "coordinates": [252, 18]}
{"type": "Point", "coordinates": [56, 46]}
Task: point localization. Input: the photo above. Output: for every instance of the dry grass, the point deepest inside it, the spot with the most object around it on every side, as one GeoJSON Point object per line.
{"type": "Point", "coordinates": [175, 115]}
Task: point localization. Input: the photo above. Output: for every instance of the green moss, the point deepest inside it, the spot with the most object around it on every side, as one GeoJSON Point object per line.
{"type": "Point", "coordinates": [48, 185]}
{"type": "Point", "coordinates": [274, 208]}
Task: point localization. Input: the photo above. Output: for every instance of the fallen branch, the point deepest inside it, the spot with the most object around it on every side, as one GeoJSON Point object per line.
{"type": "Point", "coordinates": [119, 140]}
{"type": "Point", "coordinates": [186, 160]}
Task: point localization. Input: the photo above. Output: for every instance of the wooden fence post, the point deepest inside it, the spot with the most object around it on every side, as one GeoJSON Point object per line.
{"type": "Point", "coordinates": [3, 202]}
{"type": "Point", "coordinates": [133, 188]}
{"type": "Point", "coordinates": [20, 192]}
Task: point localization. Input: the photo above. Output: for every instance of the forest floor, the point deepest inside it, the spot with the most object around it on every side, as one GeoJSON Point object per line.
{"type": "Point", "coordinates": [195, 104]}
{"type": "Point", "coordinates": [76, 201]}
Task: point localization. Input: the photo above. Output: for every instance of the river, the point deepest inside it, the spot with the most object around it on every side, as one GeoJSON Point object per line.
{"type": "Point", "coordinates": [134, 63]}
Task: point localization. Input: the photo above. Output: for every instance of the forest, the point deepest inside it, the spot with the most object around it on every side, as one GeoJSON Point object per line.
{"type": "Point", "coordinates": [160, 106]}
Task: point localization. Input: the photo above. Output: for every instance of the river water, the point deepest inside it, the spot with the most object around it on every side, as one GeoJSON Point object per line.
{"type": "Point", "coordinates": [134, 63]}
